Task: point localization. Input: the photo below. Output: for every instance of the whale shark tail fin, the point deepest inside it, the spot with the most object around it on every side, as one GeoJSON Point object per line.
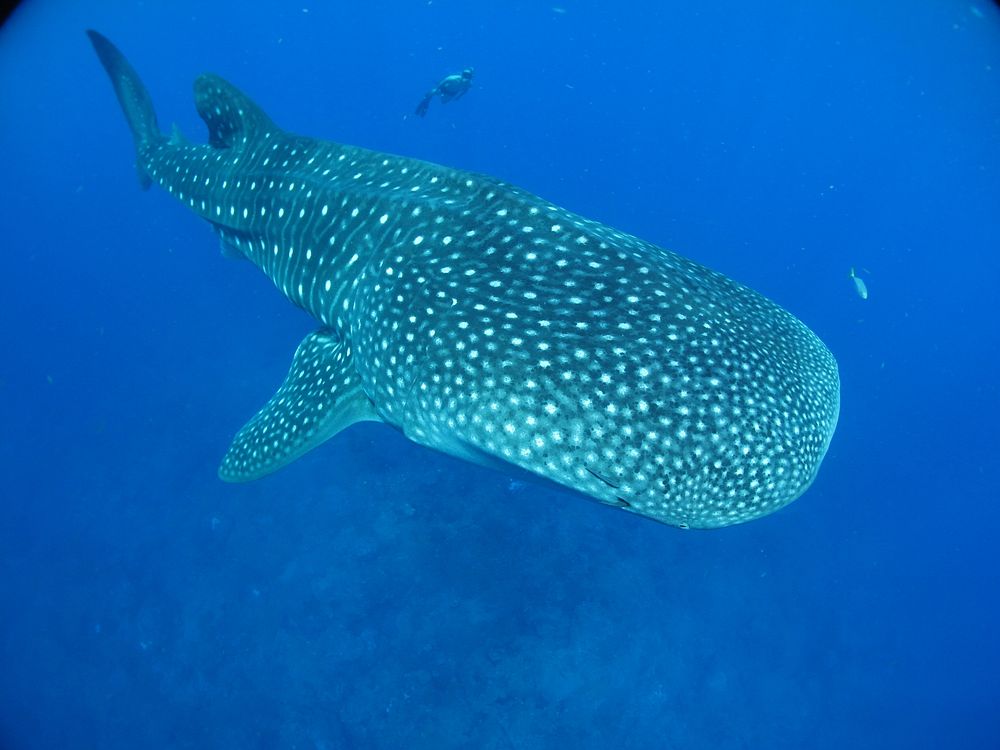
{"type": "Point", "coordinates": [133, 97]}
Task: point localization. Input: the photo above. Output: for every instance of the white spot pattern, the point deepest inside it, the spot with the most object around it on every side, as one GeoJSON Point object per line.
{"type": "Point", "coordinates": [484, 320]}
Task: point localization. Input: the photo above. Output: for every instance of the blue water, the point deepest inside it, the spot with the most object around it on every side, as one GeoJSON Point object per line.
{"type": "Point", "coordinates": [377, 595]}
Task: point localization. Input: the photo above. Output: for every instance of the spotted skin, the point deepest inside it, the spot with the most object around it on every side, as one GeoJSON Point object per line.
{"type": "Point", "coordinates": [487, 323]}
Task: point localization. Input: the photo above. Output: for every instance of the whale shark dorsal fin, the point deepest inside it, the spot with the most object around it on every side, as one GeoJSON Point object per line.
{"type": "Point", "coordinates": [321, 396]}
{"type": "Point", "coordinates": [232, 117]}
{"type": "Point", "coordinates": [177, 137]}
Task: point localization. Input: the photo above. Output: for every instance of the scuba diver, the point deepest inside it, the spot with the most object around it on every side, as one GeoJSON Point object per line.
{"type": "Point", "coordinates": [450, 87]}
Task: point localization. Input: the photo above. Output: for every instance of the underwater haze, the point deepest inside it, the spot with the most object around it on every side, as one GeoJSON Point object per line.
{"type": "Point", "coordinates": [841, 158]}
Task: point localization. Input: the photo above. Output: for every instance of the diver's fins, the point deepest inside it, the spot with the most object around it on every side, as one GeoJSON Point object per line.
{"type": "Point", "coordinates": [424, 104]}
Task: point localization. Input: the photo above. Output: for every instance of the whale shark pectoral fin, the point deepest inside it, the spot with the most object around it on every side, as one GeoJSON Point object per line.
{"type": "Point", "coordinates": [321, 396]}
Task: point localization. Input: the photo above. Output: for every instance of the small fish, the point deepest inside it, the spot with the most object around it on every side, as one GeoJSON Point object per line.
{"type": "Point", "coordinates": [859, 285]}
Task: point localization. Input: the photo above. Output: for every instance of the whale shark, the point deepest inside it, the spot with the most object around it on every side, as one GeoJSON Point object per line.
{"type": "Point", "coordinates": [492, 325]}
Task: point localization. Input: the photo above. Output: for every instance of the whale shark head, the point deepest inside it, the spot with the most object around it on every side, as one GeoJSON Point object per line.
{"type": "Point", "coordinates": [593, 359]}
